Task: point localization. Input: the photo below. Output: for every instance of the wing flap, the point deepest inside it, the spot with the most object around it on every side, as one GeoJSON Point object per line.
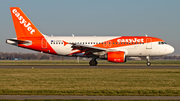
{"type": "Point", "coordinates": [85, 49]}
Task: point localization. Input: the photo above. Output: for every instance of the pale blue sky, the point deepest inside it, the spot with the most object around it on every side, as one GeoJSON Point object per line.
{"type": "Point", "coordinates": [157, 18]}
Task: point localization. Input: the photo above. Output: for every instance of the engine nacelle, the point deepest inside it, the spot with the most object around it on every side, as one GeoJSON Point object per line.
{"type": "Point", "coordinates": [118, 56]}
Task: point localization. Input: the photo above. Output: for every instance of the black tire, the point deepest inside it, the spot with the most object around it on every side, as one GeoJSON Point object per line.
{"type": "Point", "coordinates": [148, 63]}
{"type": "Point", "coordinates": [96, 63]}
{"type": "Point", "coordinates": [93, 63]}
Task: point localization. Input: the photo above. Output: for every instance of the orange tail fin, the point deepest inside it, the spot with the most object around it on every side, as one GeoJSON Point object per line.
{"type": "Point", "coordinates": [23, 26]}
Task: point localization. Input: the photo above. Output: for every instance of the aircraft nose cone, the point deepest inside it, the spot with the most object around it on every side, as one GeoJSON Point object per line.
{"type": "Point", "coordinates": [171, 49]}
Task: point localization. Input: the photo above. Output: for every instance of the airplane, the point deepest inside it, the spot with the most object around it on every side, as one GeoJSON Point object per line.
{"type": "Point", "coordinates": [111, 48]}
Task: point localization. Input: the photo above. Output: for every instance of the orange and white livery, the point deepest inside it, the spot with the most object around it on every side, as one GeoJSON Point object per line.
{"type": "Point", "coordinates": [112, 48]}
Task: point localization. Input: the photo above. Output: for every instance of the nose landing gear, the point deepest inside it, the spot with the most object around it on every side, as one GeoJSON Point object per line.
{"type": "Point", "coordinates": [93, 62]}
{"type": "Point", "coordinates": [148, 63]}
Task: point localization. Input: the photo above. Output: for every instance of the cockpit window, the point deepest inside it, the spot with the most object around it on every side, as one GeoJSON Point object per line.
{"type": "Point", "coordinates": [161, 43]}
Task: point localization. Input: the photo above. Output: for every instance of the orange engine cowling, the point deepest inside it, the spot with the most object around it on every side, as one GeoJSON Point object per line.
{"type": "Point", "coordinates": [118, 56]}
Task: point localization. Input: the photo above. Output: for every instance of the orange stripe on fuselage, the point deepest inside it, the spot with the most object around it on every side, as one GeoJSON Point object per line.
{"type": "Point", "coordinates": [37, 45]}
{"type": "Point", "coordinates": [126, 41]}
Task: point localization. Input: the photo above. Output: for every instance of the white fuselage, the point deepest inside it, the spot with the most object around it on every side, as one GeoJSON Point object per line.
{"type": "Point", "coordinates": [143, 49]}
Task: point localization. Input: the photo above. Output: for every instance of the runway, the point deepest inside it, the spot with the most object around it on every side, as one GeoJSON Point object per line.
{"type": "Point", "coordinates": [90, 67]}
{"type": "Point", "coordinates": [56, 97]}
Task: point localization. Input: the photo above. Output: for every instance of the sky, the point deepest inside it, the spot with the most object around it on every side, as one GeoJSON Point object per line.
{"type": "Point", "coordinates": [156, 18]}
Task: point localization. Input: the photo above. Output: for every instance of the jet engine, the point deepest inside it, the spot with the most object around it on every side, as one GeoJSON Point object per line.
{"type": "Point", "coordinates": [117, 56]}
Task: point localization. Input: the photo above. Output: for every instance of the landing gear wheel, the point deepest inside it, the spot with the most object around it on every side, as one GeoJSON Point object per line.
{"type": "Point", "coordinates": [93, 63]}
{"type": "Point", "coordinates": [148, 63]}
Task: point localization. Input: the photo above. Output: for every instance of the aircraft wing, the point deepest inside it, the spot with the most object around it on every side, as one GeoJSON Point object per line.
{"type": "Point", "coordinates": [86, 49]}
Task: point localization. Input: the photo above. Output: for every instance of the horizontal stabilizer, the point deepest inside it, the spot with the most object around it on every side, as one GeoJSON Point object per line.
{"type": "Point", "coordinates": [15, 42]}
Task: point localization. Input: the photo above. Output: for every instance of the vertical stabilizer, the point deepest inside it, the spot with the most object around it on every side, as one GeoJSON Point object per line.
{"type": "Point", "coordinates": [23, 26]}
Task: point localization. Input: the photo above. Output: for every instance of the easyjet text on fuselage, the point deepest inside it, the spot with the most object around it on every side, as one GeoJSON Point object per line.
{"type": "Point", "coordinates": [131, 40]}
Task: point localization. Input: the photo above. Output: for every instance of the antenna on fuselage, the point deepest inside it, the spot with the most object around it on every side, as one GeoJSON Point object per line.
{"type": "Point", "coordinates": [72, 35]}
{"type": "Point", "coordinates": [146, 35]}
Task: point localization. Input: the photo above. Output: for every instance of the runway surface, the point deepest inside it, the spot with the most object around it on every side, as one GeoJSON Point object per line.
{"type": "Point", "coordinates": [54, 97]}
{"type": "Point", "coordinates": [93, 67]}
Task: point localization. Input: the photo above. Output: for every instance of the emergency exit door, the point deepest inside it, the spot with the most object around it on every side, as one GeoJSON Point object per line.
{"type": "Point", "coordinates": [44, 43]}
{"type": "Point", "coordinates": [148, 43]}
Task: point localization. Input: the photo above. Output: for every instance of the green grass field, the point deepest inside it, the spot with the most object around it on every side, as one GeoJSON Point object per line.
{"type": "Point", "coordinates": [150, 82]}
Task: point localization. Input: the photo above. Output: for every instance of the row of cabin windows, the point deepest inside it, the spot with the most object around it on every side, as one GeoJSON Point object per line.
{"type": "Point", "coordinates": [97, 43]}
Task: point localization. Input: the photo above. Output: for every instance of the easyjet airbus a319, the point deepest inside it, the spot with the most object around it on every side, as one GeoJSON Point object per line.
{"type": "Point", "coordinates": [112, 48]}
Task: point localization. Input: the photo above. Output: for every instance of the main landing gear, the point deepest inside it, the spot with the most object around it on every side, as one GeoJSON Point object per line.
{"type": "Point", "coordinates": [93, 62]}
{"type": "Point", "coordinates": [148, 63]}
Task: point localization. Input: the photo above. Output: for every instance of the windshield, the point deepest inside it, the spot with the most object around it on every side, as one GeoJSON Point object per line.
{"type": "Point", "coordinates": [161, 43]}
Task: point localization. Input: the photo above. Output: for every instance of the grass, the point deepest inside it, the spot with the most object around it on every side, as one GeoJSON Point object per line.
{"type": "Point", "coordinates": [111, 82]}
